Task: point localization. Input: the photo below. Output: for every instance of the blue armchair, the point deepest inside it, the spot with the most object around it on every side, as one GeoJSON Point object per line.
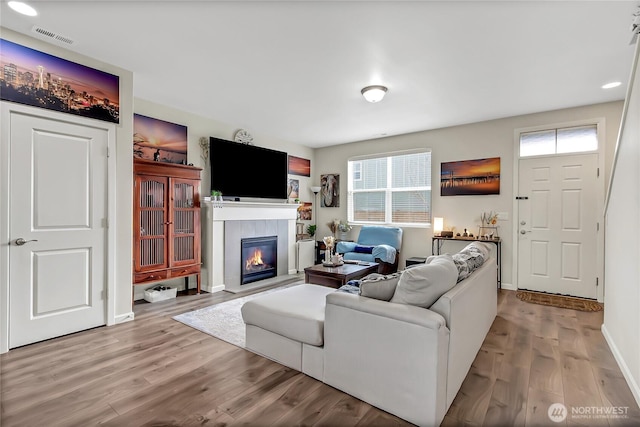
{"type": "Point", "coordinates": [375, 243]}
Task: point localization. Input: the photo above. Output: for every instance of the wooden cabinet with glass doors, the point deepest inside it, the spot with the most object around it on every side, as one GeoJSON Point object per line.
{"type": "Point", "coordinates": [166, 222]}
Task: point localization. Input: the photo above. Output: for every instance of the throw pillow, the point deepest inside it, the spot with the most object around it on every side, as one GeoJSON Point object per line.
{"type": "Point", "coordinates": [379, 286]}
{"type": "Point", "coordinates": [470, 258]}
{"type": "Point", "coordinates": [363, 249]}
{"type": "Point", "coordinates": [424, 284]}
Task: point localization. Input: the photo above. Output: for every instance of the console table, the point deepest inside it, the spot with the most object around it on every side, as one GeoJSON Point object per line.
{"type": "Point", "coordinates": [437, 242]}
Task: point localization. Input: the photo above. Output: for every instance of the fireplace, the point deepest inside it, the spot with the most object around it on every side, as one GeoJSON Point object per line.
{"type": "Point", "coordinates": [259, 258]}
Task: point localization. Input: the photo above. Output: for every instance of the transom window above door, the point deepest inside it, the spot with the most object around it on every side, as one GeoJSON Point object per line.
{"type": "Point", "coordinates": [576, 139]}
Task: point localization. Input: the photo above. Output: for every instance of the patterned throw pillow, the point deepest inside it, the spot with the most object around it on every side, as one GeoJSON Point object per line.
{"type": "Point", "coordinates": [350, 289]}
{"type": "Point", "coordinates": [470, 258]}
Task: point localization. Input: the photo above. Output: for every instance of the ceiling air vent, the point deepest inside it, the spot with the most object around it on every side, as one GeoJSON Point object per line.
{"type": "Point", "coordinates": [50, 35]}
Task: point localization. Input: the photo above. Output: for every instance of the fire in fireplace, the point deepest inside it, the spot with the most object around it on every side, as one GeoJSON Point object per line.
{"type": "Point", "coordinates": [259, 258]}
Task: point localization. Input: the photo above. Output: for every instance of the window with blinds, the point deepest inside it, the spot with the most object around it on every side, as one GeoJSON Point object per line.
{"type": "Point", "coordinates": [390, 189]}
{"type": "Point", "coordinates": [559, 141]}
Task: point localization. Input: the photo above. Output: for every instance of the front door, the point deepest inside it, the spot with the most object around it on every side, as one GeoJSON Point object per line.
{"type": "Point", "coordinates": [57, 228]}
{"type": "Point", "coordinates": [557, 225]}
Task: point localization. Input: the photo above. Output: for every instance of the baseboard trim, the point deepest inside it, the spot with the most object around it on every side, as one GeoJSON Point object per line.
{"type": "Point", "coordinates": [508, 286]}
{"type": "Point", "coordinates": [212, 289]}
{"type": "Point", "coordinates": [633, 385]}
{"type": "Point", "coordinates": [127, 317]}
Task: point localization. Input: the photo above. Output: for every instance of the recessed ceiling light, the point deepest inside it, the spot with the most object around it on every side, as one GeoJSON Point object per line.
{"type": "Point", "coordinates": [611, 85]}
{"type": "Point", "coordinates": [22, 8]}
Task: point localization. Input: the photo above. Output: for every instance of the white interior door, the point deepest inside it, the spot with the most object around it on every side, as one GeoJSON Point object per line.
{"type": "Point", "coordinates": [58, 206]}
{"type": "Point", "coordinates": [557, 225]}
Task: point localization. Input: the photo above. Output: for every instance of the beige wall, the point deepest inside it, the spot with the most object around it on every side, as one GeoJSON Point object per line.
{"type": "Point", "coordinates": [493, 138]}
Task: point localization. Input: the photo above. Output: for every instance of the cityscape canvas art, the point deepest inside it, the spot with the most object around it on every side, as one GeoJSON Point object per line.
{"type": "Point", "coordinates": [155, 139]}
{"type": "Point", "coordinates": [470, 177]}
{"type": "Point", "coordinates": [35, 78]}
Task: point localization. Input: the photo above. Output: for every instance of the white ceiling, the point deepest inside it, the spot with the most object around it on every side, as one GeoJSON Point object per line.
{"type": "Point", "coordinates": [293, 70]}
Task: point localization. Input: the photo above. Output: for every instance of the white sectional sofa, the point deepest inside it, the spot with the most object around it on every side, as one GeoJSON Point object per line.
{"type": "Point", "coordinates": [407, 360]}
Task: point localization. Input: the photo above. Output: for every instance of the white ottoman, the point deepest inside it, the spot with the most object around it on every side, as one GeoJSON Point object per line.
{"type": "Point", "coordinates": [288, 327]}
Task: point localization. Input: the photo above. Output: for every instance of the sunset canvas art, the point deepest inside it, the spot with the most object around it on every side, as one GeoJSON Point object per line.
{"type": "Point", "coordinates": [470, 177]}
{"type": "Point", "coordinates": [299, 166]}
{"type": "Point", "coordinates": [158, 140]}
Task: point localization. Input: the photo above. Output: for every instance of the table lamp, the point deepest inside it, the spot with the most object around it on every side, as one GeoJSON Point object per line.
{"type": "Point", "coordinates": [438, 224]}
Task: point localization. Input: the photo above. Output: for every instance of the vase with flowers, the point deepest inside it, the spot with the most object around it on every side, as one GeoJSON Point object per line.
{"type": "Point", "coordinates": [340, 229]}
{"type": "Point", "coordinates": [343, 230]}
{"type": "Point", "coordinates": [489, 227]}
{"type": "Point", "coordinates": [329, 243]}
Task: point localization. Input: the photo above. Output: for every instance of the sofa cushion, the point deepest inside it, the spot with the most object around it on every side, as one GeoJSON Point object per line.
{"type": "Point", "coordinates": [357, 256]}
{"type": "Point", "coordinates": [379, 286]}
{"type": "Point", "coordinates": [296, 312]}
{"type": "Point", "coordinates": [424, 284]}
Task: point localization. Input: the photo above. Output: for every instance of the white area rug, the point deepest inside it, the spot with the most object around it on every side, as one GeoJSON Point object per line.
{"type": "Point", "coordinates": [224, 320]}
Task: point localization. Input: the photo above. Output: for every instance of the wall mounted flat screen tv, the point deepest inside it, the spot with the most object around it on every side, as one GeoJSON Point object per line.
{"type": "Point", "coordinates": [241, 170]}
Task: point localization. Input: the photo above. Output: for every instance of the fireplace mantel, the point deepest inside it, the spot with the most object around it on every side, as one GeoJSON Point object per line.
{"type": "Point", "coordinates": [236, 211]}
{"type": "Point", "coordinates": [214, 219]}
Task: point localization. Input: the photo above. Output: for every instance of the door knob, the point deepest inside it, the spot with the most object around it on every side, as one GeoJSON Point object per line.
{"type": "Point", "coordinates": [523, 222]}
{"type": "Point", "coordinates": [20, 241]}
{"type": "Point", "coordinates": [523, 231]}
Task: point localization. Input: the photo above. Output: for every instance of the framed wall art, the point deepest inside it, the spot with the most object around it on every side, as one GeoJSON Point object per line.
{"type": "Point", "coordinates": [305, 211]}
{"type": "Point", "coordinates": [470, 177]}
{"type": "Point", "coordinates": [299, 166]}
{"type": "Point", "coordinates": [158, 140]}
{"type": "Point", "coordinates": [330, 192]}
{"type": "Point", "coordinates": [293, 189]}
{"type": "Point", "coordinates": [41, 80]}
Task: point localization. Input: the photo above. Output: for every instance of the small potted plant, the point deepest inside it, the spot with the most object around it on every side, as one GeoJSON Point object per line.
{"type": "Point", "coordinates": [311, 229]}
{"type": "Point", "coordinates": [216, 198]}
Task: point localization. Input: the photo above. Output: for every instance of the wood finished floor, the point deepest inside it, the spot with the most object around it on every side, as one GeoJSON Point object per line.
{"type": "Point", "coordinates": [156, 371]}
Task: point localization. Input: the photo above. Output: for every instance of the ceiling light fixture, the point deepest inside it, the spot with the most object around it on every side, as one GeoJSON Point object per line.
{"type": "Point", "coordinates": [374, 93]}
{"type": "Point", "coordinates": [611, 85]}
{"type": "Point", "coordinates": [22, 8]}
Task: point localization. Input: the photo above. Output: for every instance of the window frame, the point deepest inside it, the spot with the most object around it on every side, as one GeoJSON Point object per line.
{"type": "Point", "coordinates": [388, 190]}
{"type": "Point", "coordinates": [357, 163]}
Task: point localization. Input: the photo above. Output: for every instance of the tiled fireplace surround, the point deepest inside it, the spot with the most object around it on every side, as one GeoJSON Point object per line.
{"type": "Point", "coordinates": [225, 226]}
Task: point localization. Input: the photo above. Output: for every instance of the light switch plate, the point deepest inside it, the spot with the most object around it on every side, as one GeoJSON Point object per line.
{"type": "Point", "coordinates": [503, 216]}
